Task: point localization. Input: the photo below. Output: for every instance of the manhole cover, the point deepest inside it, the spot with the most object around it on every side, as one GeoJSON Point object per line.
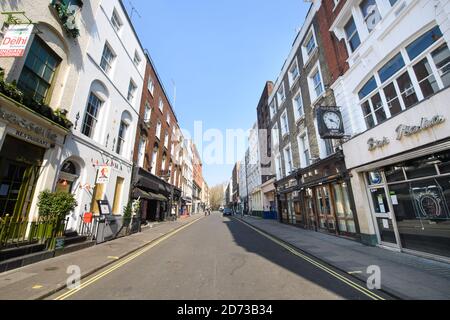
{"type": "Point", "coordinates": [51, 269]}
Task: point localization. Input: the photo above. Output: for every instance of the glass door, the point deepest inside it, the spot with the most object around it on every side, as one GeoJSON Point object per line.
{"type": "Point", "coordinates": [309, 206]}
{"type": "Point", "coordinates": [325, 210]}
{"type": "Point", "coordinates": [382, 210]}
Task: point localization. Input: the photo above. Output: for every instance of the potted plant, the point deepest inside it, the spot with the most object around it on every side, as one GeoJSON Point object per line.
{"type": "Point", "coordinates": [53, 209]}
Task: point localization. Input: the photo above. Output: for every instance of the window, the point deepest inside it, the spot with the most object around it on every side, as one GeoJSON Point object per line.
{"type": "Point", "coordinates": [147, 113]}
{"type": "Point", "coordinates": [141, 155]}
{"type": "Point", "coordinates": [131, 91]}
{"type": "Point", "coordinates": [305, 156]}
{"type": "Point", "coordinates": [351, 32]}
{"type": "Point", "coordinates": [317, 85]}
{"type": "Point", "coordinates": [158, 130]}
{"type": "Point", "coordinates": [298, 106]}
{"type": "Point", "coordinates": [137, 59]}
{"type": "Point", "coordinates": [288, 160]}
{"type": "Point", "coordinates": [163, 163]}
{"type": "Point", "coordinates": [273, 109]}
{"type": "Point", "coordinates": [151, 86]}
{"type": "Point", "coordinates": [281, 94]}
{"type": "Point", "coordinates": [392, 2]}
{"type": "Point", "coordinates": [161, 105]}
{"type": "Point", "coordinates": [284, 124]}
{"type": "Point", "coordinates": [370, 86]}
{"type": "Point", "coordinates": [279, 167]}
{"type": "Point", "coordinates": [423, 42]}
{"type": "Point", "coordinates": [370, 13]}
{"type": "Point", "coordinates": [373, 111]}
{"type": "Point", "coordinates": [107, 59]}
{"type": "Point", "coordinates": [121, 138]}
{"type": "Point", "coordinates": [391, 68]}
{"type": "Point", "coordinates": [310, 44]}
{"type": "Point", "coordinates": [441, 58]}
{"type": "Point", "coordinates": [91, 115]}
{"type": "Point", "coordinates": [427, 73]}
{"type": "Point", "coordinates": [154, 160]}
{"type": "Point", "coordinates": [276, 135]}
{"type": "Point", "coordinates": [168, 119]}
{"type": "Point", "coordinates": [294, 73]}
{"type": "Point", "coordinates": [166, 140]}
{"type": "Point", "coordinates": [116, 22]}
{"type": "Point", "coordinates": [118, 196]}
{"type": "Point", "coordinates": [39, 71]}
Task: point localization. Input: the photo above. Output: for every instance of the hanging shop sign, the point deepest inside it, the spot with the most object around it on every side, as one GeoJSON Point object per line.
{"type": "Point", "coordinates": [103, 174]}
{"type": "Point", "coordinates": [15, 40]}
{"type": "Point", "coordinates": [330, 122]}
{"type": "Point", "coordinates": [406, 131]}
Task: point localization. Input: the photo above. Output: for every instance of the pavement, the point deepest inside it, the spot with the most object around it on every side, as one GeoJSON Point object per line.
{"type": "Point", "coordinates": [403, 275]}
{"type": "Point", "coordinates": [216, 258]}
{"type": "Point", "coordinates": [39, 280]}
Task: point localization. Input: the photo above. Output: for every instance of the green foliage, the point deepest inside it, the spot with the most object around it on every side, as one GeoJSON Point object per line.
{"type": "Point", "coordinates": [64, 15]}
{"type": "Point", "coordinates": [56, 204]}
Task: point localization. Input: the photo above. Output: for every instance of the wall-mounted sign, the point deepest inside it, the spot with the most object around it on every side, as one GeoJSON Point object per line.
{"type": "Point", "coordinates": [330, 123]}
{"type": "Point", "coordinates": [27, 125]}
{"type": "Point", "coordinates": [15, 40]}
{"type": "Point", "coordinates": [103, 206]}
{"type": "Point", "coordinates": [406, 131]}
{"type": "Point", "coordinates": [103, 174]}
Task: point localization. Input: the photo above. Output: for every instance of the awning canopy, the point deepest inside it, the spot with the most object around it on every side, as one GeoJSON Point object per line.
{"type": "Point", "coordinates": [138, 193]}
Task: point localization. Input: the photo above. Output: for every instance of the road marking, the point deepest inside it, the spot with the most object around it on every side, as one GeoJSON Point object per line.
{"type": "Point", "coordinates": [113, 258]}
{"type": "Point", "coordinates": [37, 287]}
{"type": "Point", "coordinates": [123, 262]}
{"type": "Point", "coordinates": [336, 275]}
{"type": "Point", "coordinates": [355, 272]}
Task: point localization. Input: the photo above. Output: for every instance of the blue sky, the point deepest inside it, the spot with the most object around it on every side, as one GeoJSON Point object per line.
{"type": "Point", "coordinates": [219, 53]}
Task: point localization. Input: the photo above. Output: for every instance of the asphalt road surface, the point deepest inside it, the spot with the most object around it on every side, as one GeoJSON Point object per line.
{"type": "Point", "coordinates": [219, 258]}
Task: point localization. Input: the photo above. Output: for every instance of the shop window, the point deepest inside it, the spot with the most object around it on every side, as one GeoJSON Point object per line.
{"type": "Point", "coordinates": [118, 196]}
{"type": "Point", "coordinates": [444, 166]}
{"type": "Point", "coordinates": [373, 111]}
{"type": "Point", "coordinates": [39, 71]}
{"type": "Point", "coordinates": [392, 99]}
{"type": "Point", "coordinates": [394, 174]}
{"type": "Point", "coordinates": [343, 209]}
{"type": "Point", "coordinates": [407, 90]}
{"type": "Point", "coordinates": [420, 168]}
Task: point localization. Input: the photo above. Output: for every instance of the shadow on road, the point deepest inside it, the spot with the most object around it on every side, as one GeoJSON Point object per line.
{"type": "Point", "coordinates": [255, 243]}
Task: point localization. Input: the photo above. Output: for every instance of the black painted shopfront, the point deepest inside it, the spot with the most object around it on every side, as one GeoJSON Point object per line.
{"type": "Point", "coordinates": [159, 198]}
{"type": "Point", "coordinates": [319, 198]}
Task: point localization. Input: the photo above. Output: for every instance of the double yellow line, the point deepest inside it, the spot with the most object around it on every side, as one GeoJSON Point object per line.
{"type": "Point", "coordinates": [336, 275]}
{"type": "Point", "coordinates": [120, 264]}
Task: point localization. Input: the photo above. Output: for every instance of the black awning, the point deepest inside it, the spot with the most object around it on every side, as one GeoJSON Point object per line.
{"type": "Point", "coordinates": [138, 193]}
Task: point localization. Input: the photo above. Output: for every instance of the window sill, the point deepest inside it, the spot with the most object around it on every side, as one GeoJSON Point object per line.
{"type": "Point", "coordinates": [291, 86]}
{"type": "Point", "coordinates": [299, 120]}
{"type": "Point", "coordinates": [310, 58]}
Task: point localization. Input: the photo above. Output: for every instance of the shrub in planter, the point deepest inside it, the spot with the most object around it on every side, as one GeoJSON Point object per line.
{"type": "Point", "coordinates": [56, 204]}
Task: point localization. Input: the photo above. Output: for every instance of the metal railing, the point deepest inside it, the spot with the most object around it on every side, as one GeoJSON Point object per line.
{"type": "Point", "coordinates": [15, 232]}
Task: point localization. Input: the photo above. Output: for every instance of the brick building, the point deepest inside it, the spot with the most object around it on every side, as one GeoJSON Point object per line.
{"type": "Point", "coordinates": [157, 176]}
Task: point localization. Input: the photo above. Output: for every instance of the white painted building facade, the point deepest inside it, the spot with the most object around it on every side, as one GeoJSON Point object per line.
{"type": "Point", "coordinates": [394, 100]}
{"type": "Point", "coordinates": [105, 112]}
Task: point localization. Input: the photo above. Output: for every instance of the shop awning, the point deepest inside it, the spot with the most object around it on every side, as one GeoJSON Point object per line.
{"type": "Point", "coordinates": [138, 193]}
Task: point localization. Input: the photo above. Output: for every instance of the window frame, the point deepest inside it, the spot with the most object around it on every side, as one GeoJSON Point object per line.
{"type": "Point", "coordinates": [109, 64]}
{"type": "Point", "coordinates": [95, 118]}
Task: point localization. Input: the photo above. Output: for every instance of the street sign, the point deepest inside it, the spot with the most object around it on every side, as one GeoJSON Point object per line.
{"type": "Point", "coordinates": [15, 40]}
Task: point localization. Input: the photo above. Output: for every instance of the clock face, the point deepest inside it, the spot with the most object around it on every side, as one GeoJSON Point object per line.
{"type": "Point", "coordinates": [332, 120]}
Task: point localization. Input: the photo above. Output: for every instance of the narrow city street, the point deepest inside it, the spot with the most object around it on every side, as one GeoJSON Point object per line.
{"type": "Point", "coordinates": [217, 258]}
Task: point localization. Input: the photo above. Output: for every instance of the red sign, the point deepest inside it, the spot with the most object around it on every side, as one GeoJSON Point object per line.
{"type": "Point", "coordinates": [88, 217]}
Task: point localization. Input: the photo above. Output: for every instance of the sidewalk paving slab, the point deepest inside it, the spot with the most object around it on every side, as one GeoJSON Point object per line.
{"type": "Point", "coordinates": [47, 277]}
{"type": "Point", "coordinates": [403, 275]}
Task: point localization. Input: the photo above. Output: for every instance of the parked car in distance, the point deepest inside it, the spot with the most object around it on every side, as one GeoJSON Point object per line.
{"type": "Point", "coordinates": [221, 209]}
{"type": "Point", "coordinates": [227, 212]}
